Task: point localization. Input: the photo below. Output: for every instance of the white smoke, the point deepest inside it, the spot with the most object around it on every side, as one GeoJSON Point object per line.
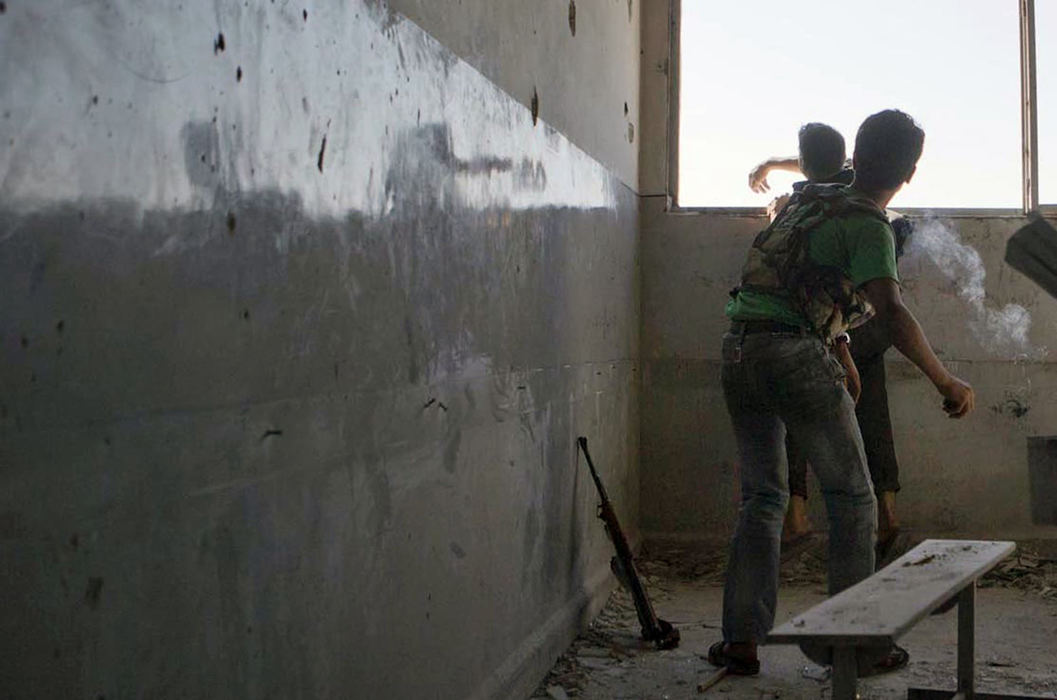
{"type": "Point", "coordinates": [1001, 332]}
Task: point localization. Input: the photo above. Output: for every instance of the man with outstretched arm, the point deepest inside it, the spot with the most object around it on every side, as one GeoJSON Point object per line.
{"type": "Point", "coordinates": [821, 159]}
{"type": "Point", "coordinates": [824, 265]}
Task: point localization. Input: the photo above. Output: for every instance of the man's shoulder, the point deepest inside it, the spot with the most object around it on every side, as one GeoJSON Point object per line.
{"type": "Point", "coordinates": [859, 211]}
{"type": "Point", "coordinates": [839, 199]}
{"type": "Point", "coordinates": [844, 204]}
{"type": "Point", "coordinates": [865, 222]}
{"type": "Point", "coordinates": [849, 230]}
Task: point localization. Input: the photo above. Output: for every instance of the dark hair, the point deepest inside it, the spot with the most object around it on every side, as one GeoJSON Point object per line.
{"type": "Point", "coordinates": [887, 148]}
{"type": "Point", "coordinates": [821, 151]}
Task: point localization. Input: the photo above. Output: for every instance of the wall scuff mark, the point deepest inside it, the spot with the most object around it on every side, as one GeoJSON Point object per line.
{"type": "Point", "coordinates": [209, 284]}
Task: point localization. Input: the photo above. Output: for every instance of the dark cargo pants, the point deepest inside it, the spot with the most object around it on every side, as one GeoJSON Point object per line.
{"type": "Point", "coordinates": [875, 422]}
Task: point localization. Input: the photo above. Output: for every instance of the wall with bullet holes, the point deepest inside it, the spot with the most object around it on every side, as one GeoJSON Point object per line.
{"type": "Point", "coordinates": [304, 305]}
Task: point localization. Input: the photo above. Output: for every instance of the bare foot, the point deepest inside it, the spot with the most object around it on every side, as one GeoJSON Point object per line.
{"type": "Point", "coordinates": [796, 523]}
{"type": "Point", "coordinates": [887, 520]}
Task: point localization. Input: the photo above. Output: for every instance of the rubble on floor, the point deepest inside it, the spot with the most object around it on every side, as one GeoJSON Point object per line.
{"type": "Point", "coordinates": [609, 660]}
{"type": "Point", "coordinates": [1025, 571]}
{"type": "Point", "coordinates": [804, 562]}
{"type": "Point", "coordinates": [1032, 568]}
{"type": "Point", "coordinates": [605, 646]}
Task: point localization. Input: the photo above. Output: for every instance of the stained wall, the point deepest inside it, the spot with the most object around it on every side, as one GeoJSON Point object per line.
{"type": "Point", "coordinates": [969, 477]}
{"type": "Point", "coordinates": [303, 310]}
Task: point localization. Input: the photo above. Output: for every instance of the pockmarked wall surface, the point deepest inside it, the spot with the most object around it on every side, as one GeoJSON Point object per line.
{"type": "Point", "coordinates": [577, 61]}
{"type": "Point", "coordinates": [301, 317]}
{"type": "Point", "coordinates": [989, 324]}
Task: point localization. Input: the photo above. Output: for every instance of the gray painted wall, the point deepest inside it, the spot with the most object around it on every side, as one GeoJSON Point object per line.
{"type": "Point", "coordinates": [580, 58]}
{"type": "Point", "coordinates": [299, 327]}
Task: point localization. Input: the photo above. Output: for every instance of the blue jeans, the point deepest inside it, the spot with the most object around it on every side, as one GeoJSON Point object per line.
{"type": "Point", "coordinates": [773, 383]}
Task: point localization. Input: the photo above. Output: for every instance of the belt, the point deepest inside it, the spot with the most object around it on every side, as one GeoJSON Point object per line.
{"type": "Point", "coordinates": [750, 327]}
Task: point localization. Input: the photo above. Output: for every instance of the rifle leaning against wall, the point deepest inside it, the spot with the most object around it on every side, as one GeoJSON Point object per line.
{"type": "Point", "coordinates": [655, 630]}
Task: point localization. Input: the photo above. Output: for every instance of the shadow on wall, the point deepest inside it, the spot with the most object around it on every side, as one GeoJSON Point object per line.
{"type": "Point", "coordinates": [261, 249]}
{"type": "Point", "coordinates": [239, 402]}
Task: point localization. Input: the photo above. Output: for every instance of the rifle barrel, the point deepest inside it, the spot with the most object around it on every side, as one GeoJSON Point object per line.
{"type": "Point", "coordinates": [582, 442]}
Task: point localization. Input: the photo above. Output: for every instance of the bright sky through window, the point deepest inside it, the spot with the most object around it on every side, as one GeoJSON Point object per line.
{"type": "Point", "coordinates": [1046, 87]}
{"type": "Point", "coordinates": [753, 72]}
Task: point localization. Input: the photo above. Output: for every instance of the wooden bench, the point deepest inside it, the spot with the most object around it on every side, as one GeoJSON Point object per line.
{"type": "Point", "coordinates": [878, 610]}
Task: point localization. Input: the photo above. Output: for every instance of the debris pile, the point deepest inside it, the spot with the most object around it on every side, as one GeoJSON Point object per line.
{"type": "Point", "coordinates": [1025, 571]}
{"type": "Point", "coordinates": [802, 563]}
{"type": "Point", "coordinates": [608, 641]}
{"type": "Point", "coordinates": [683, 561]}
{"type": "Point", "coordinates": [610, 661]}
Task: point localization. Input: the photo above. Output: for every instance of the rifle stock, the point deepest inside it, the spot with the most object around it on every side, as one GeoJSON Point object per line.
{"type": "Point", "coordinates": [654, 629]}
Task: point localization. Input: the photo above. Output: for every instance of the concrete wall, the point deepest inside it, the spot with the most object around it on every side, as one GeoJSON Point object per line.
{"type": "Point", "coordinates": [655, 66]}
{"type": "Point", "coordinates": [579, 58]}
{"type": "Point", "coordinates": [965, 477]}
{"type": "Point", "coordinates": [302, 314]}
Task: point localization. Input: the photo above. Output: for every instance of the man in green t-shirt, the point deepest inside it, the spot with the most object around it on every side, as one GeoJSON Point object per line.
{"type": "Point", "coordinates": [779, 375]}
{"type": "Point", "coordinates": [821, 158]}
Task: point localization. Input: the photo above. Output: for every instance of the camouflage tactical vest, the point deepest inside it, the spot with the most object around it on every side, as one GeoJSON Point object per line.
{"type": "Point", "coordinates": [778, 262]}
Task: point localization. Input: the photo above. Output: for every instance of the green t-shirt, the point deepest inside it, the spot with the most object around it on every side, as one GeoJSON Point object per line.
{"type": "Point", "coordinates": [859, 244]}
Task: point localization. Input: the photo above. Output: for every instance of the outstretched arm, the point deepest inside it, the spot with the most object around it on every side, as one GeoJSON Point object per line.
{"type": "Point", "coordinates": [758, 175]}
{"type": "Point", "coordinates": [909, 339]}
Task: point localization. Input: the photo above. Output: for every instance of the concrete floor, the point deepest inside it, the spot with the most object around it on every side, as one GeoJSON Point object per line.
{"type": "Point", "coordinates": [1016, 650]}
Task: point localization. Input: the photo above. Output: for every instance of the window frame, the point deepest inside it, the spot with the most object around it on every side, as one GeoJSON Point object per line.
{"type": "Point", "coordinates": [1028, 122]}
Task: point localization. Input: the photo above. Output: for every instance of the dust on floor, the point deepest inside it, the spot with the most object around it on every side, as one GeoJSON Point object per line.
{"type": "Point", "coordinates": [1016, 647]}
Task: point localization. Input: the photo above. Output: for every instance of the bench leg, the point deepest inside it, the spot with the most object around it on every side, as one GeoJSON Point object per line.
{"type": "Point", "coordinates": [967, 641]}
{"type": "Point", "coordinates": [966, 659]}
{"type": "Point", "coordinates": [845, 673]}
